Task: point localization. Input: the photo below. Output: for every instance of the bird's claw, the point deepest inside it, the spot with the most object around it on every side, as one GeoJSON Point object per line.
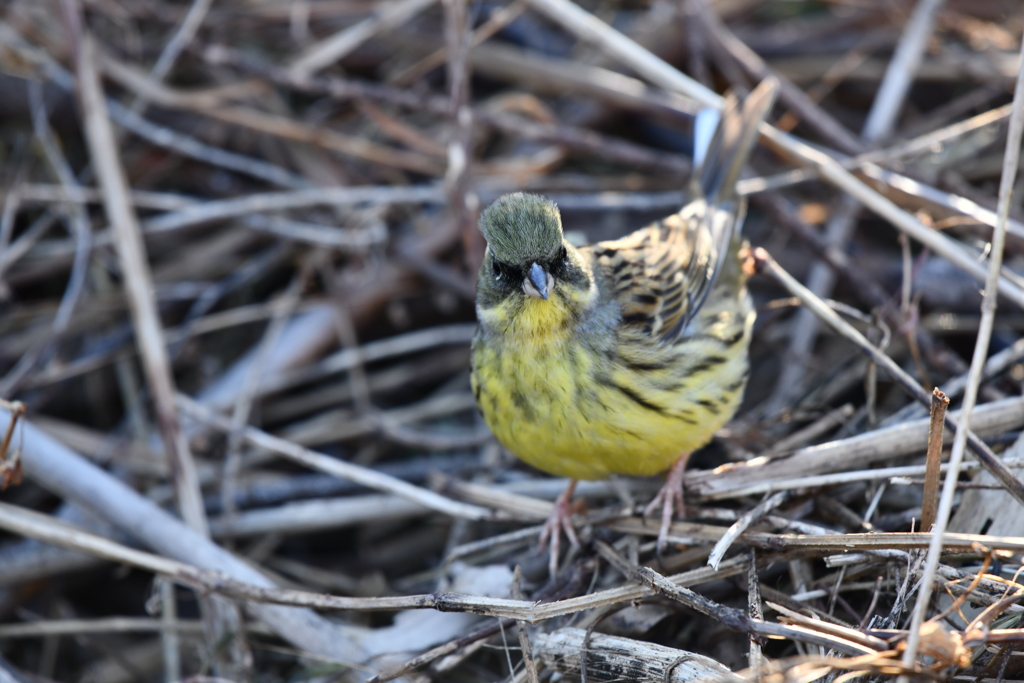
{"type": "Point", "coordinates": [558, 523]}
{"type": "Point", "coordinates": [670, 499]}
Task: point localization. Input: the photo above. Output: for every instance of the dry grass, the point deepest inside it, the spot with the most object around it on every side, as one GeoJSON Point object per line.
{"type": "Point", "coordinates": [238, 245]}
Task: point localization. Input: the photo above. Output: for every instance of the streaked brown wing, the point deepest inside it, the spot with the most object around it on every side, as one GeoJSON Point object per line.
{"type": "Point", "coordinates": [660, 274]}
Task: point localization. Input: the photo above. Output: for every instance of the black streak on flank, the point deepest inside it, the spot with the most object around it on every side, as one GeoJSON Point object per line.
{"type": "Point", "coordinates": [494, 404]}
{"type": "Point", "coordinates": [735, 386]}
{"type": "Point", "coordinates": [634, 397]}
{"type": "Point", "coordinates": [644, 367]}
{"type": "Point", "coordinates": [520, 401]}
{"type": "Point", "coordinates": [707, 364]}
{"type": "Point", "coordinates": [641, 401]}
{"type": "Point", "coordinates": [712, 408]}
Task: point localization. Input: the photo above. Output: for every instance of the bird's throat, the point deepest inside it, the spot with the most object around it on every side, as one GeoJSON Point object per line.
{"type": "Point", "coordinates": [534, 320]}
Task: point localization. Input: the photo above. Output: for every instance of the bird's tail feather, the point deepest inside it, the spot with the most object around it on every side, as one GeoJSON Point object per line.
{"type": "Point", "coordinates": [720, 165]}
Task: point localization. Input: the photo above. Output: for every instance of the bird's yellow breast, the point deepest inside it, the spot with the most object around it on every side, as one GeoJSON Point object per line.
{"type": "Point", "coordinates": [581, 402]}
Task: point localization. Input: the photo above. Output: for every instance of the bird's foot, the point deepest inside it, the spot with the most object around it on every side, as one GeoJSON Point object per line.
{"type": "Point", "coordinates": [560, 521]}
{"type": "Point", "coordinates": [670, 498]}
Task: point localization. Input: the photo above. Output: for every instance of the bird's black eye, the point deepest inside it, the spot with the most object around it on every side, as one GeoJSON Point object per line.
{"type": "Point", "coordinates": [563, 256]}
{"type": "Point", "coordinates": [496, 267]}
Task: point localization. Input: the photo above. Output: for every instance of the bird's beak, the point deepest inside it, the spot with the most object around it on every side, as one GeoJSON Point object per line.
{"type": "Point", "coordinates": [538, 282]}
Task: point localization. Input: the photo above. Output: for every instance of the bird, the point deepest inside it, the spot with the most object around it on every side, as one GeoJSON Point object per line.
{"type": "Point", "coordinates": [624, 356]}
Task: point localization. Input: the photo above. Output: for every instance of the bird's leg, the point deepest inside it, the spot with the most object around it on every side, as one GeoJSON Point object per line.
{"type": "Point", "coordinates": [670, 498]}
{"type": "Point", "coordinates": [559, 521]}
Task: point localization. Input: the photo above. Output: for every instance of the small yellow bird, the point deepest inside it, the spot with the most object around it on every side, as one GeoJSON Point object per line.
{"type": "Point", "coordinates": [622, 356]}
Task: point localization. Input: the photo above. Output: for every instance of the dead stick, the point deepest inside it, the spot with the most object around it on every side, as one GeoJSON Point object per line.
{"type": "Point", "coordinates": [731, 617]}
{"type": "Point", "coordinates": [755, 659]}
{"type": "Point", "coordinates": [17, 409]}
{"type": "Point", "coordinates": [986, 457]}
{"type": "Point", "coordinates": [933, 462]}
{"type": "Point", "coordinates": [138, 284]}
{"type": "Point", "coordinates": [524, 638]}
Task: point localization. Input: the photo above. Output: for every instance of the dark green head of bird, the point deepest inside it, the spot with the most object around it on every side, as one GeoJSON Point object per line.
{"type": "Point", "coordinates": [527, 254]}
